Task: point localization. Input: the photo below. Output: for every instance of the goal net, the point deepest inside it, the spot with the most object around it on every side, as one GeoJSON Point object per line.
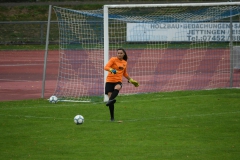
{"type": "Point", "coordinates": [170, 47]}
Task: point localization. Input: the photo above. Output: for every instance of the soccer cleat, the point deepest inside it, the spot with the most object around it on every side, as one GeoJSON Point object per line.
{"type": "Point", "coordinates": [112, 119]}
{"type": "Point", "coordinates": [112, 101]}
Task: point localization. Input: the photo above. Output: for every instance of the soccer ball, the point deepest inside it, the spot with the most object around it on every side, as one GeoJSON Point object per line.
{"type": "Point", "coordinates": [78, 119]}
{"type": "Point", "coordinates": [53, 99]}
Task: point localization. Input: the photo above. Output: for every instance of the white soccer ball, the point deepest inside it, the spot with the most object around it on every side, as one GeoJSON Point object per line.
{"type": "Point", "coordinates": [53, 99]}
{"type": "Point", "coordinates": [78, 119]}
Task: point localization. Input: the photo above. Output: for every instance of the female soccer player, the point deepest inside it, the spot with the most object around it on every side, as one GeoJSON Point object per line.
{"type": "Point", "coordinates": [117, 67]}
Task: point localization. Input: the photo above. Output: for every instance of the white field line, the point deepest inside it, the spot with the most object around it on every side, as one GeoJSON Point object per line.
{"type": "Point", "coordinates": [187, 116]}
{"type": "Point", "coordinates": [122, 101]}
{"type": "Point", "coordinates": [159, 97]}
{"type": "Point", "coordinates": [129, 120]}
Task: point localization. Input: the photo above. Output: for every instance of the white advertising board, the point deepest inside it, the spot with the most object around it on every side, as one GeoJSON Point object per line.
{"type": "Point", "coordinates": [142, 32]}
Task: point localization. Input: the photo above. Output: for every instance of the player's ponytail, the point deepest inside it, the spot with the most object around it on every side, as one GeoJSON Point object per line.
{"type": "Point", "coordinates": [125, 57]}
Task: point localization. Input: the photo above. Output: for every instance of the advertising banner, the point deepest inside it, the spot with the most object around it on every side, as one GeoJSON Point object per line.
{"type": "Point", "coordinates": [214, 32]}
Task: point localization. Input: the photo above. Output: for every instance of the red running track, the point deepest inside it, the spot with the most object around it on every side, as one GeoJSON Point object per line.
{"type": "Point", "coordinates": [21, 74]}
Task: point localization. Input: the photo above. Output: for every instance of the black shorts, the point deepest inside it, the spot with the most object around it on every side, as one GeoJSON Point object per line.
{"type": "Point", "coordinates": [109, 87]}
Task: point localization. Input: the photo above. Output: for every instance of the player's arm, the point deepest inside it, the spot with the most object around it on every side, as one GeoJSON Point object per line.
{"type": "Point", "coordinates": [130, 80]}
{"type": "Point", "coordinates": [135, 83]}
{"type": "Point", "coordinates": [109, 68]}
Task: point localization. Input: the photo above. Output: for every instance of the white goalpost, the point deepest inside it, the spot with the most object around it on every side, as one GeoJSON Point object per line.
{"type": "Point", "coordinates": [185, 46]}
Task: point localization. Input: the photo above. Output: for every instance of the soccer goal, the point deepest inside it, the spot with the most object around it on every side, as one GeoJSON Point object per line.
{"type": "Point", "coordinates": [171, 47]}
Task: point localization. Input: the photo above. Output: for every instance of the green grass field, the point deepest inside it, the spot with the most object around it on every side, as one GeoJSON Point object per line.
{"type": "Point", "coordinates": [196, 125]}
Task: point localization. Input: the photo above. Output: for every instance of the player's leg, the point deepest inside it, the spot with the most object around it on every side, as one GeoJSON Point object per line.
{"type": "Point", "coordinates": [114, 94]}
{"type": "Point", "coordinates": [109, 88]}
{"type": "Point", "coordinates": [111, 109]}
{"type": "Point", "coordinates": [110, 101]}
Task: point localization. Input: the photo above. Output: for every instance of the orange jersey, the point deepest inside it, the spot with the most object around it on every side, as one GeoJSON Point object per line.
{"type": "Point", "coordinates": [120, 66]}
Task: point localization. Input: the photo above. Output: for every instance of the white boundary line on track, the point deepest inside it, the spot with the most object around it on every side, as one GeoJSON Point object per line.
{"type": "Point", "coordinates": [14, 65]}
{"type": "Point", "coordinates": [12, 80]}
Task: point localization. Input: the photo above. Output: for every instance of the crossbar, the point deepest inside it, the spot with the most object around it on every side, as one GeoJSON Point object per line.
{"type": "Point", "coordinates": [172, 5]}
